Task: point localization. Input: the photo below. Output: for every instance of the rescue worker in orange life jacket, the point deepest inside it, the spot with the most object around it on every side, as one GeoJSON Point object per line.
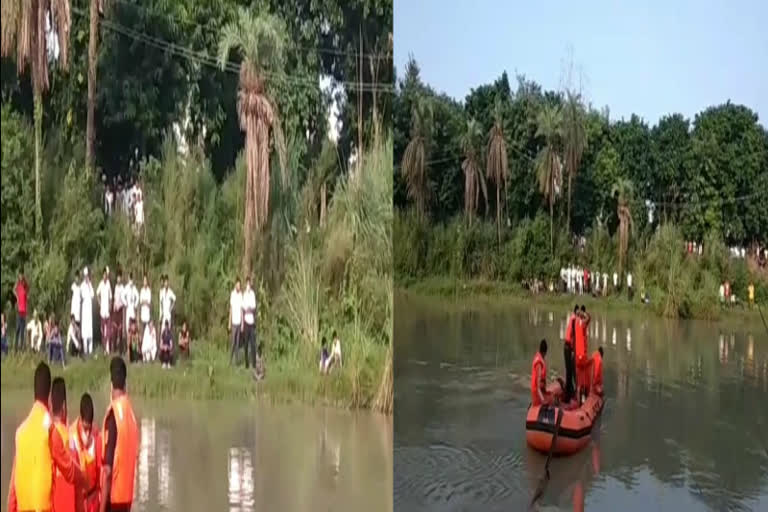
{"type": "Point", "coordinates": [120, 445]}
{"type": "Point", "coordinates": [539, 394]}
{"type": "Point", "coordinates": [39, 450]}
{"type": "Point", "coordinates": [65, 496]}
{"type": "Point", "coordinates": [582, 361]}
{"type": "Point", "coordinates": [597, 371]}
{"type": "Point", "coordinates": [86, 442]}
{"type": "Point", "coordinates": [570, 365]}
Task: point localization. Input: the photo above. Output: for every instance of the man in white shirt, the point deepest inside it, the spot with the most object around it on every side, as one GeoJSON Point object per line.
{"type": "Point", "coordinates": [74, 309]}
{"type": "Point", "coordinates": [235, 318]}
{"type": "Point", "coordinates": [629, 285]}
{"type": "Point", "coordinates": [605, 284]}
{"type": "Point", "coordinates": [118, 312]}
{"type": "Point", "coordinates": [249, 318]}
{"type": "Point", "coordinates": [131, 301]}
{"type": "Point", "coordinates": [86, 326]}
{"type": "Point", "coordinates": [104, 294]}
{"type": "Point", "coordinates": [167, 303]}
{"type": "Point", "coordinates": [615, 281]}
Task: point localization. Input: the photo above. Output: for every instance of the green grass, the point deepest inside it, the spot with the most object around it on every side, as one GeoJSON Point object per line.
{"type": "Point", "coordinates": [208, 376]}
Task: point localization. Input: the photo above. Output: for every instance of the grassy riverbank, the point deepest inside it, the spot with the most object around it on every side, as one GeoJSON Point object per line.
{"type": "Point", "coordinates": [208, 376]}
{"type": "Point", "coordinates": [479, 293]}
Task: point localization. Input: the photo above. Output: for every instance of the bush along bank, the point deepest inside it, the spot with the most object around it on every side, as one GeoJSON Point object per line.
{"type": "Point", "coordinates": [456, 259]}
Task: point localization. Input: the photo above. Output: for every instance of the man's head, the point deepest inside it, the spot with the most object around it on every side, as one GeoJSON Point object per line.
{"type": "Point", "coordinates": [335, 336]}
{"type": "Point", "coordinates": [119, 278]}
{"type": "Point", "coordinates": [237, 284]}
{"type": "Point", "coordinates": [146, 280]}
{"type": "Point", "coordinates": [324, 342]}
{"type": "Point", "coordinates": [59, 398]}
{"type": "Point", "coordinates": [583, 310]}
{"type": "Point", "coordinates": [543, 347]}
{"type": "Point", "coordinates": [106, 273]}
{"type": "Point", "coordinates": [576, 308]}
{"type": "Point", "coordinates": [86, 414]}
{"type": "Point", "coordinates": [600, 349]}
{"type": "Point", "coordinates": [42, 383]}
{"type": "Point", "coordinates": [130, 277]}
{"type": "Point", "coordinates": [118, 373]}
{"type": "Point", "coordinates": [248, 283]}
{"type": "Point", "coordinates": [165, 280]}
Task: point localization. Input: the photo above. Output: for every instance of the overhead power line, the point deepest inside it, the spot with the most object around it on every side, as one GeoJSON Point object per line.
{"type": "Point", "coordinates": [207, 28]}
{"type": "Point", "coordinates": [204, 59]}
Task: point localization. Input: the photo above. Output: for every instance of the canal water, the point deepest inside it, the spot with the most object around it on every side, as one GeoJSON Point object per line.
{"type": "Point", "coordinates": [685, 426]}
{"type": "Point", "coordinates": [242, 457]}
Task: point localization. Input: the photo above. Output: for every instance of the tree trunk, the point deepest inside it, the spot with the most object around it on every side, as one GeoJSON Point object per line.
{"type": "Point", "coordinates": [38, 114]}
{"type": "Point", "coordinates": [93, 41]}
{"type": "Point", "coordinates": [498, 214]}
{"type": "Point", "coordinates": [322, 204]}
{"type": "Point", "coordinates": [551, 224]}
{"type": "Point", "coordinates": [570, 184]}
{"type": "Point", "coordinates": [250, 206]}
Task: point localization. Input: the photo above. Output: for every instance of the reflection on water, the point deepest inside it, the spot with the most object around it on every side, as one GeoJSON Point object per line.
{"type": "Point", "coordinates": [240, 480]}
{"type": "Point", "coordinates": [245, 457]}
{"type": "Point", "coordinates": [683, 427]}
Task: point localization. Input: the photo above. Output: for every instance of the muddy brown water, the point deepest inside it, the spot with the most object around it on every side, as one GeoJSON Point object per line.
{"type": "Point", "coordinates": [241, 457]}
{"type": "Point", "coordinates": [685, 426]}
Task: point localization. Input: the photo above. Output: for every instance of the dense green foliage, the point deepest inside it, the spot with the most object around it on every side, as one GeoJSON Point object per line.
{"type": "Point", "coordinates": [707, 181]}
{"type": "Point", "coordinates": [158, 79]}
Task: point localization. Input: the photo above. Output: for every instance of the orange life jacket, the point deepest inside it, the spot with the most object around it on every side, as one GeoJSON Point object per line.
{"type": "Point", "coordinates": [126, 450]}
{"type": "Point", "coordinates": [542, 380]}
{"type": "Point", "coordinates": [581, 339]}
{"type": "Point", "coordinates": [33, 474]}
{"type": "Point", "coordinates": [63, 491]}
{"type": "Point", "coordinates": [569, 330]}
{"type": "Point", "coordinates": [597, 376]}
{"type": "Point", "coordinates": [88, 455]}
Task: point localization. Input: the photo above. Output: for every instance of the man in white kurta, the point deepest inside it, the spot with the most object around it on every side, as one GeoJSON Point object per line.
{"type": "Point", "coordinates": [87, 295]}
{"type": "Point", "coordinates": [145, 303]}
{"type": "Point", "coordinates": [167, 302]}
{"type": "Point", "coordinates": [104, 294]}
{"type": "Point", "coordinates": [131, 301]}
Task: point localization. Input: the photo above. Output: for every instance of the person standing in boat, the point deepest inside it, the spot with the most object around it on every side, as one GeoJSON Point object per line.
{"type": "Point", "coordinates": [570, 366]}
{"type": "Point", "coordinates": [582, 362]}
{"type": "Point", "coordinates": [597, 371]}
{"type": "Point", "coordinates": [539, 394]}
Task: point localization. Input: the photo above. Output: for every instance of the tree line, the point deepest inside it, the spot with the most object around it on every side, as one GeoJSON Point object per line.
{"type": "Point", "coordinates": [508, 154]}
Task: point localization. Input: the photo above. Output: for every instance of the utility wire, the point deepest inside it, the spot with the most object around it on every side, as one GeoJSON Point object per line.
{"type": "Point", "coordinates": [205, 59]}
{"type": "Point", "coordinates": [207, 28]}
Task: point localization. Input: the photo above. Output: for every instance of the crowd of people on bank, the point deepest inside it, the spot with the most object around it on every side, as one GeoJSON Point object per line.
{"type": "Point", "coordinates": [128, 199]}
{"type": "Point", "coordinates": [583, 281]}
{"type": "Point", "coordinates": [75, 467]}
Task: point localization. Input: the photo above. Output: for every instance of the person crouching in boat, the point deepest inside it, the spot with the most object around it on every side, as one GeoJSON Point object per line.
{"type": "Point", "coordinates": [582, 362]}
{"type": "Point", "coordinates": [539, 393]}
{"type": "Point", "coordinates": [597, 371]}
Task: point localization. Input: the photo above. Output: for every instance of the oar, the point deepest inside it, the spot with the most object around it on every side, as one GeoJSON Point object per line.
{"type": "Point", "coordinates": [545, 477]}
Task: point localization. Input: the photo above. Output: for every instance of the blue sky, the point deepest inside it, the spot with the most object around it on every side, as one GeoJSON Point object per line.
{"type": "Point", "coordinates": [650, 58]}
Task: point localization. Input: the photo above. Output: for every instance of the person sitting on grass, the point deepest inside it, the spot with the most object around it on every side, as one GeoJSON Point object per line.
{"type": "Point", "coordinates": [55, 347]}
{"type": "Point", "coordinates": [4, 338]}
{"type": "Point", "coordinates": [335, 353]}
{"type": "Point", "coordinates": [134, 349]}
{"type": "Point", "coordinates": [35, 329]}
{"type": "Point", "coordinates": [324, 356]}
{"type": "Point", "coordinates": [184, 341]}
{"type": "Point", "coordinates": [73, 346]}
{"type": "Point", "coordinates": [149, 343]}
{"type": "Point", "coordinates": [259, 368]}
{"type": "Point", "coordinates": [166, 345]}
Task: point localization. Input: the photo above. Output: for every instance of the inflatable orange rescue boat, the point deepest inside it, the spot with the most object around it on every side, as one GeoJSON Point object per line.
{"type": "Point", "coordinates": [575, 427]}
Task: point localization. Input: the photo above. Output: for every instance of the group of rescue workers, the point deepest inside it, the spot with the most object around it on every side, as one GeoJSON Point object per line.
{"type": "Point", "coordinates": [586, 371]}
{"type": "Point", "coordinates": [75, 468]}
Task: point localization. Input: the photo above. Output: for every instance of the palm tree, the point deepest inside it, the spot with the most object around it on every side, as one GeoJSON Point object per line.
{"type": "Point", "coordinates": [24, 31]}
{"type": "Point", "coordinates": [497, 166]}
{"type": "Point", "coordinates": [548, 165]}
{"type": "Point", "coordinates": [474, 181]}
{"type": "Point", "coordinates": [623, 188]}
{"type": "Point", "coordinates": [414, 165]}
{"type": "Point", "coordinates": [575, 141]}
{"type": "Point", "coordinates": [260, 39]}
{"type": "Point", "coordinates": [96, 10]}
